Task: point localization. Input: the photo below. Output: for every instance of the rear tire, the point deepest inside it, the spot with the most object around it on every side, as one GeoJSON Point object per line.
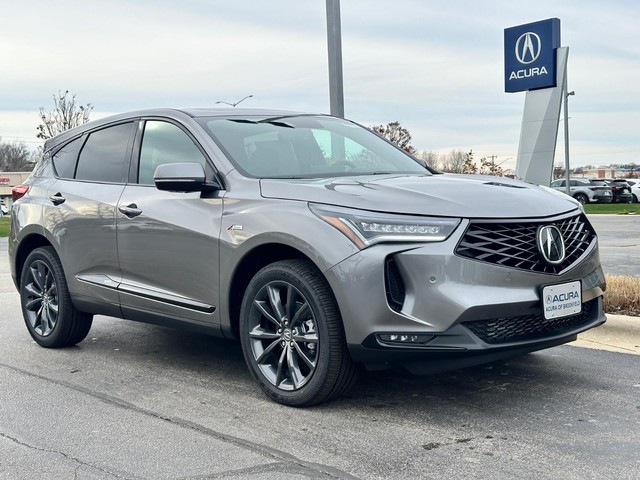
{"type": "Point", "coordinates": [582, 198]}
{"type": "Point", "coordinates": [48, 312]}
{"type": "Point", "coordinates": [292, 336]}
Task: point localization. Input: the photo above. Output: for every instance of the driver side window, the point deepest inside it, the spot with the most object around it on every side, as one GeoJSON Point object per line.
{"type": "Point", "coordinates": [163, 142]}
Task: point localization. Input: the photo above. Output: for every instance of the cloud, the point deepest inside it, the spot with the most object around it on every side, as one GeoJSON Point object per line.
{"type": "Point", "coordinates": [434, 66]}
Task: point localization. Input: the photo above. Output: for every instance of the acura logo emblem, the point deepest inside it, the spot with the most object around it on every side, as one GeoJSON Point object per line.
{"type": "Point", "coordinates": [528, 48]}
{"type": "Point", "coordinates": [551, 244]}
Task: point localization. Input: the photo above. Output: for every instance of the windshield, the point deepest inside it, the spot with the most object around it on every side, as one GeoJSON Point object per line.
{"type": "Point", "coordinates": [305, 146]}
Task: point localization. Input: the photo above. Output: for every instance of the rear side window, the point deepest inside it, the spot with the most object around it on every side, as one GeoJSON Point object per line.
{"type": "Point", "coordinates": [64, 161]}
{"type": "Point", "coordinates": [104, 155]}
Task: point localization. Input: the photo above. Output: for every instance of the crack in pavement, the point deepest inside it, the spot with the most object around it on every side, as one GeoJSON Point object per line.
{"type": "Point", "coordinates": [326, 471]}
{"type": "Point", "coordinates": [58, 452]}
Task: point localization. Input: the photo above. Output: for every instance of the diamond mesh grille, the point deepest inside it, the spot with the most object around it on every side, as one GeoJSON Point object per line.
{"type": "Point", "coordinates": [527, 327]}
{"type": "Point", "coordinates": [513, 244]}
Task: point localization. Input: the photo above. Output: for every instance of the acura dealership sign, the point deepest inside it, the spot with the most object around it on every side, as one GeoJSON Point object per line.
{"type": "Point", "coordinates": [530, 55]}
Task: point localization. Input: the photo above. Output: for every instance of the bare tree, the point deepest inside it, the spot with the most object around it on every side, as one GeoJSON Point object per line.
{"type": "Point", "coordinates": [397, 134]}
{"type": "Point", "coordinates": [454, 161]}
{"type": "Point", "coordinates": [432, 159]}
{"type": "Point", "coordinates": [15, 157]}
{"type": "Point", "coordinates": [67, 113]}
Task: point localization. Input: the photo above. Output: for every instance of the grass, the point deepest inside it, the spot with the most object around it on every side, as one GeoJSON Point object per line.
{"type": "Point", "coordinates": [623, 295]}
{"type": "Point", "coordinates": [4, 226]}
{"type": "Point", "coordinates": [613, 208]}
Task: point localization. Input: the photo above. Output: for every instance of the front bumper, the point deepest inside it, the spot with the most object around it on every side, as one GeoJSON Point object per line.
{"type": "Point", "coordinates": [457, 307]}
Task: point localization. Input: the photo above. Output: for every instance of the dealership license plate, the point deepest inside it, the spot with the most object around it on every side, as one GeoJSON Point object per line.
{"type": "Point", "coordinates": [562, 300]}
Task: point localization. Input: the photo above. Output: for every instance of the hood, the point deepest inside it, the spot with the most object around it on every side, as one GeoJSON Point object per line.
{"type": "Point", "coordinates": [450, 195]}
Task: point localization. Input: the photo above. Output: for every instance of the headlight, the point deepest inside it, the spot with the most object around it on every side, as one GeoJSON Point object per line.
{"type": "Point", "coordinates": [365, 228]}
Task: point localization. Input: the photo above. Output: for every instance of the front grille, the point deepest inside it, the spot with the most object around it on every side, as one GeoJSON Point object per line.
{"type": "Point", "coordinates": [513, 244]}
{"type": "Point", "coordinates": [527, 327]}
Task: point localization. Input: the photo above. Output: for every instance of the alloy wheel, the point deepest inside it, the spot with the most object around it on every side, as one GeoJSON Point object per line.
{"type": "Point", "coordinates": [41, 298]}
{"type": "Point", "coordinates": [283, 336]}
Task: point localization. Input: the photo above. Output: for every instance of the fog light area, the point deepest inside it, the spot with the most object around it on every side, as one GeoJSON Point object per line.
{"type": "Point", "coordinates": [404, 338]}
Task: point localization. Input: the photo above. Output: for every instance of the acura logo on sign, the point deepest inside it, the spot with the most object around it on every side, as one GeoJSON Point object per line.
{"type": "Point", "coordinates": [551, 244]}
{"type": "Point", "coordinates": [528, 48]}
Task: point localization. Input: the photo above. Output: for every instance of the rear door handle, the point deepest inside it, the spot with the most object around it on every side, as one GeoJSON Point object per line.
{"type": "Point", "coordinates": [130, 210]}
{"type": "Point", "coordinates": [57, 199]}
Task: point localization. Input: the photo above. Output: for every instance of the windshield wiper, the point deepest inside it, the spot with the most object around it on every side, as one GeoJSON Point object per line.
{"type": "Point", "coordinates": [270, 121]}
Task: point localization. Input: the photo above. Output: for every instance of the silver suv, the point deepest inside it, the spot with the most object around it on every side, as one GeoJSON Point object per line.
{"type": "Point", "coordinates": [585, 190]}
{"type": "Point", "coordinates": [318, 244]}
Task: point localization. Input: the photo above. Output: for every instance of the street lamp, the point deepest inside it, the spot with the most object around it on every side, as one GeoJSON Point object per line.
{"type": "Point", "coordinates": [234, 104]}
{"type": "Point", "coordinates": [566, 136]}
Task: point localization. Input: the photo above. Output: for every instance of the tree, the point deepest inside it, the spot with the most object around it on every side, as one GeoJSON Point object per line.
{"type": "Point", "coordinates": [432, 159]}
{"type": "Point", "coordinates": [65, 115]}
{"type": "Point", "coordinates": [397, 134]}
{"type": "Point", "coordinates": [454, 162]}
{"type": "Point", "coordinates": [15, 157]}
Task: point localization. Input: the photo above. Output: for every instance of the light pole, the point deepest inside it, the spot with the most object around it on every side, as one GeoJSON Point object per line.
{"type": "Point", "coordinates": [334, 43]}
{"type": "Point", "coordinates": [567, 176]}
{"type": "Point", "coordinates": [234, 104]}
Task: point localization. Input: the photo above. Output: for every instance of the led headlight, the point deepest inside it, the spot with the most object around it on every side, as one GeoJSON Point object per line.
{"type": "Point", "coordinates": [365, 228]}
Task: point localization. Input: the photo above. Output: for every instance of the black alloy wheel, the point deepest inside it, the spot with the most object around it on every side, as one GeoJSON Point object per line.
{"type": "Point", "coordinates": [292, 336]}
{"type": "Point", "coordinates": [49, 314]}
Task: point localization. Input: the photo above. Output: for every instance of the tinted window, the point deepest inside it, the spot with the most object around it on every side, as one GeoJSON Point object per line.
{"type": "Point", "coordinates": [64, 161]}
{"type": "Point", "coordinates": [162, 143]}
{"type": "Point", "coordinates": [103, 157]}
{"type": "Point", "coordinates": [557, 183]}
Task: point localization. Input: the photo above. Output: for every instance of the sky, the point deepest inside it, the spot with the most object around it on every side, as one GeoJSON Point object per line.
{"type": "Point", "coordinates": [437, 67]}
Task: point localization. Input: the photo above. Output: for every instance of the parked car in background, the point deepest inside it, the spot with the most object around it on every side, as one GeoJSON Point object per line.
{"type": "Point", "coordinates": [634, 186]}
{"type": "Point", "coordinates": [586, 190]}
{"type": "Point", "coordinates": [620, 189]}
{"type": "Point", "coordinates": [316, 243]}
{"type": "Point", "coordinates": [3, 209]}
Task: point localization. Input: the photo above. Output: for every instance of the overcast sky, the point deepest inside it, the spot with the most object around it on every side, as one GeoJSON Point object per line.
{"type": "Point", "coordinates": [435, 66]}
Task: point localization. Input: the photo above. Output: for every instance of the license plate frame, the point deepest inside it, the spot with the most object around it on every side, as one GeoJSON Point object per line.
{"type": "Point", "coordinates": [562, 300]}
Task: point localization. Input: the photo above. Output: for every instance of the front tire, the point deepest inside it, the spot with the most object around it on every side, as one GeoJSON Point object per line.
{"type": "Point", "coordinates": [292, 336]}
{"type": "Point", "coordinates": [48, 312]}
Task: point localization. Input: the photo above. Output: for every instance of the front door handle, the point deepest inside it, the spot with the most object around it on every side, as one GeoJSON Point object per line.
{"type": "Point", "coordinates": [130, 210]}
{"type": "Point", "coordinates": [57, 199]}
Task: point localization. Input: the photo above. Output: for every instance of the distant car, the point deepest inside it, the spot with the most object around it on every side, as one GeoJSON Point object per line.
{"type": "Point", "coordinates": [621, 190]}
{"type": "Point", "coordinates": [634, 186]}
{"type": "Point", "coordinates": [315, 242]}
{"type": "Point", "coordinates": [586, 190]}
{"type": "Point", "coordinates": [3, 210]}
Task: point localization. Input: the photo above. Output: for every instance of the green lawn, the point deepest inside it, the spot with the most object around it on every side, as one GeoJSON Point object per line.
{"type": "Point", "coordinates": [613, 208]}
{"type": "Point", "coordinates": [4, 226]}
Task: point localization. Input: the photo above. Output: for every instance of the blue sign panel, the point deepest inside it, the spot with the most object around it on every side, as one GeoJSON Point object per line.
{"type": "Point", "coordinates": [530, 55]}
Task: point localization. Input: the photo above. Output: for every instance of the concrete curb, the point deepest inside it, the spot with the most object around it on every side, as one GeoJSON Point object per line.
{"type": "Point", "coordinates": [620, 333]}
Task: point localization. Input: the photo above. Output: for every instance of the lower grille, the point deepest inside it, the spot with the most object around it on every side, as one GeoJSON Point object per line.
{"type": "Point", "coordinates": [527, 327]}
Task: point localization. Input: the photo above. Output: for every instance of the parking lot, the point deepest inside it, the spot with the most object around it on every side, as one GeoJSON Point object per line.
{"type": "Point", "coordinates": [619, 237]}
{"type": "Point", "coordinates": [137, 401]}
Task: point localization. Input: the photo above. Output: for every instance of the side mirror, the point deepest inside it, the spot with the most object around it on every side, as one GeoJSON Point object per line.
{"type": "Point", "coordinates": [181, 177]}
